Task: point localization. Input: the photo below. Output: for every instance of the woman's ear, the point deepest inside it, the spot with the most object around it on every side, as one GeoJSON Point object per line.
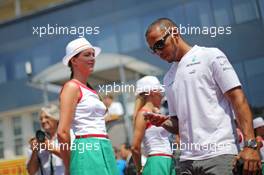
{"type": "Point", "coordinates": [73, 61]}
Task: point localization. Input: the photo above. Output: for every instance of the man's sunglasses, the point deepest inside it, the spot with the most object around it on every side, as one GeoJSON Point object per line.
{"type": "Point", "coordinates": [160, 44]}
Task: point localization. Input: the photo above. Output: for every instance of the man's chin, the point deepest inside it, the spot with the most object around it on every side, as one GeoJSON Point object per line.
{"type": "Point", "coordinates": [169, 60]}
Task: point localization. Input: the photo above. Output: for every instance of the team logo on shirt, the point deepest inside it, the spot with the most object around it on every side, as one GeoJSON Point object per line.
{"type": "Point", "coordinates": [192, 72]}
{"type": "Point", "coordinates": [194, 62]}
{"type": "Point", "coordinates": [223, 62]}
{"type": "Point", "coordinates": [221, 56]}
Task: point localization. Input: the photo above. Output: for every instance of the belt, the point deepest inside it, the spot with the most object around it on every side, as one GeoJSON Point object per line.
{"type": "Point", "coordinates": [160, 154]}
{"type": "Point", "coordinates": [91, 135]}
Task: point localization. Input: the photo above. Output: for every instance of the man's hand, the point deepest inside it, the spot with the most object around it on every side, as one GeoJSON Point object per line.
{"type": "Point", "coordinates": [155, 119]}
{"type": "Point", "coordinates": [252, 161]}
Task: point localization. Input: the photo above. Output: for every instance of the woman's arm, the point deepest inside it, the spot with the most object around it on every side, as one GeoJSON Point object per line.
{"type": "Point", "coordinates": [33, 163]}
{"type": "Point", "coordinates": [68, 101]}
{"type": "Point", "coordinates": [139, 132]}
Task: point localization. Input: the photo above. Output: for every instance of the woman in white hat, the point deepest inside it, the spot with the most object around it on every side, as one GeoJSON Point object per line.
{"type": "Point", "coordinates": [155, 139]}
{"type": "Point", "coordinates": [81, 109]}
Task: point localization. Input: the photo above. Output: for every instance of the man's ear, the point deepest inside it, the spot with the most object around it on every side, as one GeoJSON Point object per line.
{"type": "Point", "coordinates": [175, 33]}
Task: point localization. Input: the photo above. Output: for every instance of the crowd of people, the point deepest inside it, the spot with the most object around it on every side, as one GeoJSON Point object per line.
{"type": "Point", "coordinates": [206, 105]}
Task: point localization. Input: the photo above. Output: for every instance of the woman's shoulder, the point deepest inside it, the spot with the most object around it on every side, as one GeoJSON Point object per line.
{"type": "Point", "coordinates": [70, 86]}
{"type": "Point", "coordinates": [141, 112]}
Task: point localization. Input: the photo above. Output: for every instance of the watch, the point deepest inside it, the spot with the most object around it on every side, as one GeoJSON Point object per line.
{"type": "Point", "coordinates": [251, 143]}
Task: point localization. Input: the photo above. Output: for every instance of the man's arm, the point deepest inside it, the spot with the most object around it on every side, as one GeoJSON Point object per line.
{"type": "Point", "coordinates": [110, 118]}
{"type": "Point", "coordinates": [168, 123]}
{"type": "Point", "coordinates": [242, 111]}
{"type": "Point", "coordinates": [115, 112]}
{"type": "Point", "coordinates": [171, 125]}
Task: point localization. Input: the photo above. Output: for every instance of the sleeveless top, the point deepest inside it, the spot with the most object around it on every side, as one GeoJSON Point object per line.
{"type": "Point", "coordinates": [156, 139]}
{"type": "Point", "coordinates": [89, 112]}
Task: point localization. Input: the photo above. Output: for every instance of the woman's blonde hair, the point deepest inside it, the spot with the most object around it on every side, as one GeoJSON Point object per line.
{"type": "Point", "coordinates": [139, 103]}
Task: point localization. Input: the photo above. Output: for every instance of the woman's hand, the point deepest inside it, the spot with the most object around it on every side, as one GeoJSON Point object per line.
{"type": "Point", "coordinates": [34, 145]}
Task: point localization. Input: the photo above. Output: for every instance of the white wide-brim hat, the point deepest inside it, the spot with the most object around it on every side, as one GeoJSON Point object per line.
{"type": "Point", "coordinates": [76, 46]}
{"type": "Point", "coordinates": [148, 84]}
{"type": "Point", "coordinates": [258, 122]}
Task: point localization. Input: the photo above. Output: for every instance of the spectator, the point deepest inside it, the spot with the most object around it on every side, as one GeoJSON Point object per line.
{"type": "Point", "coordinates": [121, 163]}
{"type": "Point", "coordinates": [115, 109]}
{"type": "Point", "coordinates": [126, 154]}
{"type": "Point", "coordinates": [46, 160]}
{"type": "Point", "coordinates": [259, 131]}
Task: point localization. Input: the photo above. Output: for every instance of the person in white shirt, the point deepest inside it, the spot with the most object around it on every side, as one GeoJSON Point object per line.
{"type": "Point", "coordinates": [258, 124]}
{"type": "Point", "coordinates": [202, 90]}
{"type": "Point", "coordinates": [115, 109]}
{"type": "Point", "coordinates": [46, 160]}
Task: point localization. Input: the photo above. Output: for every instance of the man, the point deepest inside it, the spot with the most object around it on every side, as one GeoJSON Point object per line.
{"type": "Point", "coordinates": [126, 154]}
{"type": "Point", "coordinates": [120, 162]}
{"type": "Point", "coordinates": [115, 109]}
{"type": "Point", "coordinates": [201, 87]}
{"type": "Point", "coordinates": [44, 158]}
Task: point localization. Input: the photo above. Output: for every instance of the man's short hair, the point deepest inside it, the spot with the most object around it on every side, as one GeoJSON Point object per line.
{"type": "Point", "coordinates": [160, 21]}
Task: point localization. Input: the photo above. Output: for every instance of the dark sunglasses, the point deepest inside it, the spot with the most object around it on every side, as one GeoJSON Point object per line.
{"type": "Point", "coordinates": [160, 44]}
